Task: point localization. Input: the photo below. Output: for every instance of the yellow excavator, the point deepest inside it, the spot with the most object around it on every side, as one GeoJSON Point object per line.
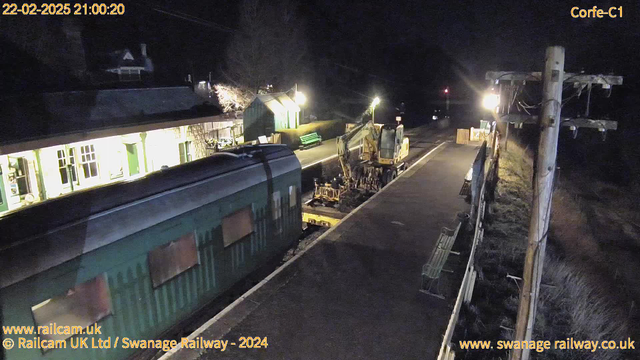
{"type": "Point", "coordinates": [384, 148]}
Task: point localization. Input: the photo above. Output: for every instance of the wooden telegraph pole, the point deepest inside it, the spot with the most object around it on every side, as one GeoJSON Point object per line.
{"type": "Point", "coordinates": [549, 122]}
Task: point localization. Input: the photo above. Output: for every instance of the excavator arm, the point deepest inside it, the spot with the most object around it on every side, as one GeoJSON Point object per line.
{"type": "Point", "coordinates": [367, 132]}
{"type": "Point", "coordinates": [371, 174]}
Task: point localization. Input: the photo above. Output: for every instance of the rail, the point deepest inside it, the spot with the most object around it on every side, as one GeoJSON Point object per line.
{"type": "Point", "coordinates": [468, 281]}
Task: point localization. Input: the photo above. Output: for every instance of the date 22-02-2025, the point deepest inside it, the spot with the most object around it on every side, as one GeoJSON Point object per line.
{"type": "Point", "coordinates": [63, 9]}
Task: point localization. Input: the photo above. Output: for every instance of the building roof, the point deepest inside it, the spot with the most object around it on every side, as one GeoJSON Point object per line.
{"type": "Point", "coordinates": [125, 57]}
{"type": "Point", "coordinates": [288, 103]}
{"type": "Point", "coordinates": [278, 102]}
{"type": "Point", "coordinates": [41, 116]}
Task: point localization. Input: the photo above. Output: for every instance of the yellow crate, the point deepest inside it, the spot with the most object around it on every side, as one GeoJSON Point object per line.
{"type": "Point", "coordinates": [462, 136]}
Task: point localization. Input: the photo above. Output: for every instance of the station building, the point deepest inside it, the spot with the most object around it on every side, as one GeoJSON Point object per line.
{"type": "Point", "coordinates": [270, 113]}
{"type": "Point", "coordinates": [56, 143]}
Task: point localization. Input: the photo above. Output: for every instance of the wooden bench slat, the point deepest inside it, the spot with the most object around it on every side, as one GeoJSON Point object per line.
{"type": "Point", "coordinates": [438, 258]}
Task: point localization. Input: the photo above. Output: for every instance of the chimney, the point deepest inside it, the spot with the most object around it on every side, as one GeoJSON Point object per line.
{"type": "Point", "coordinates": [143, 49]}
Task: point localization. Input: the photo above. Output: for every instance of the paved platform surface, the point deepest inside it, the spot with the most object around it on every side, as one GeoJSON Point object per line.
{"type": "Point", "coordinates": [354, 293]}
{"type": "Point", "coordinates": [311, 156]}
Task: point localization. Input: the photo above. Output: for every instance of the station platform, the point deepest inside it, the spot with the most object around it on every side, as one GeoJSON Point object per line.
{"type": "Point", "coordinates": [328, 149]}
{"type": "Point", "coordinates": [320, 153]}
{"type": "Point", "coordinates": [353, 293]}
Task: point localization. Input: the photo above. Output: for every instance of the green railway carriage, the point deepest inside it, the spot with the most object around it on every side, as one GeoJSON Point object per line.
{"type": "Point", "coordinates": [133, 259]}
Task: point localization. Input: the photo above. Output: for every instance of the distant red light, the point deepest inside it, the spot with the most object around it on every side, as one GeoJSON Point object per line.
{"type": "Point", "coordinates": [446, 91]}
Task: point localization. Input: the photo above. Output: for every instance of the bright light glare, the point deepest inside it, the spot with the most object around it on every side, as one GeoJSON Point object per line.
{"type": "Point", "coordinates": [491, 101]}
{"type": "Point", "coordinates": [375, 102]}
{"type": "Point", "coordinates": [446, 91]}
{"type": "Point", "coordinates": [300, 98]}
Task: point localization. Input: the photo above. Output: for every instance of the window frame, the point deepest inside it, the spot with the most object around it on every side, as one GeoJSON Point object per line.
{"type": "Point", "coordinates": [3, 193]}
{"type": "Point", "coordinates": [229, 229]}
{"type": "Point", "coordinates": [72, 162]}
{"type": "Point", "coordinates": [170, 260]}
{"type": "Point", "coordinates": [125, 75]}
{"type": "Point", "coordinates": [276, 211]}
{"type": "Point", "coordinates": [276, 205]}
{"type": "Point", "coordinates": [85, 289]}
{"type": "Point", "coordinates": [22, 164]}
{"type": "Point", "coordinates": [186, 147]}
{"type": "Point", "coordinates": [68, 160]}
{"type": "Point", "coordinates": [88, 157]}
{"type": "Point", "coordinates": [293, 196]}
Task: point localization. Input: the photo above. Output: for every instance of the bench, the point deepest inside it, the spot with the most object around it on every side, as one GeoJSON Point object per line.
{"type": "Point", "coordinates": [309, 140]}
{"type": "Point", "coordinates": [434, 266]}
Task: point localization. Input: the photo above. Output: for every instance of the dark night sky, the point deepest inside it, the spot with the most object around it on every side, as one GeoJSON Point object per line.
{"type": "Point", "coordinates": [404, 48]}
{"type": "Point", "coordinates": [478, 34]}
{"type": "Point", "coordinates": [401, 40]}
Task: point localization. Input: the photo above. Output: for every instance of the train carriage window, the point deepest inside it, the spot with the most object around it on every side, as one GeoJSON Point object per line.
{"type": "Point", "coordinates": [276, 207]}
{"type": "Point", "coordinates": [293, 196]}
{"type": "Point", "coordinates": [169, 260]}
{"type": "Point", "coordinates": [237, 225]}
{"type": "Point", "coordinates": [276, 210]}
{"type": "Point", "coordinates": [81, 306]}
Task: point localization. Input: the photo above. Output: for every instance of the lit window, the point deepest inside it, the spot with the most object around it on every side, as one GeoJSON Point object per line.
{"type": "Point", "coordinates": [1, 189]}
{"type": "Point", "coordinates": [62, 166]}
{"type": "Point", "coordinates": [88, 161]}
{"type": "Point", "coordinates": [237, 225]}
{"type": "Point", "coordinates": [19, 176]}
{"type": "Point", "coordinates": [66, 167]}
{"type": "Point", "coordinates": [79, 307]}
{"type": "Point", "coordinates": [169, 260]}
{"type": "Point", "coordinates": [129, 74]}
{"type": "Point", "coordinates": [185, 151]}
{"type": "Point", "coordinates": [293, 196]}
{"type": "Point", "coordinates": [72, 163]}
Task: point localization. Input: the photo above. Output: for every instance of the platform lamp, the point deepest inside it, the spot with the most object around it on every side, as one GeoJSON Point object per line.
{"type": "Point", "coordinates": [375, 103]}
{"type": "Point", "coordinates": [300, 99]}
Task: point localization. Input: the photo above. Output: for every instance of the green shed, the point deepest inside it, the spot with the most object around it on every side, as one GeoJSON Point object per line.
{"type": "Point", "coordinates": [269, 113]}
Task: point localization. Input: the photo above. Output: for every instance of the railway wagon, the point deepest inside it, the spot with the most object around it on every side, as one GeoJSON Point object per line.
{"type": "Point", "coordinates": [131, 260]}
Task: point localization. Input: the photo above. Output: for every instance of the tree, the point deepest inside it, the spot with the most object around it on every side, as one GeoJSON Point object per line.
{"type": "Point", "coordinates": [232, 98]}
{"type": "Point", "coordinates": [270, 47]}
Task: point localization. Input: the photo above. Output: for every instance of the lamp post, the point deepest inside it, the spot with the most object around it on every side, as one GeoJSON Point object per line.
{"type": "Point", "coordinates": [375, 103]}
{"type": "Point", "coordinates": [300, 99]}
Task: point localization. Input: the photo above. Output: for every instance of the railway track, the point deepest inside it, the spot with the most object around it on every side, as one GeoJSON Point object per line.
{"type": "Point", "coordinates": [423, 140]}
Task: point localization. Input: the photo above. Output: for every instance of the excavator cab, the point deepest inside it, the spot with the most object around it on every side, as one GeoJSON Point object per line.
{"type": "Point", "coordinates": [394, 147]}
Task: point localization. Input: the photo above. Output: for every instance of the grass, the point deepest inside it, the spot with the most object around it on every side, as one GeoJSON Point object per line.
{"type": "Point", "coordinates": [576, 299]}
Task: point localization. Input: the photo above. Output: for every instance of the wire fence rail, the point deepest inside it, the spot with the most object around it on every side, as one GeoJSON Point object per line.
{"type": "Point", "coordinates": [484, 181]}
